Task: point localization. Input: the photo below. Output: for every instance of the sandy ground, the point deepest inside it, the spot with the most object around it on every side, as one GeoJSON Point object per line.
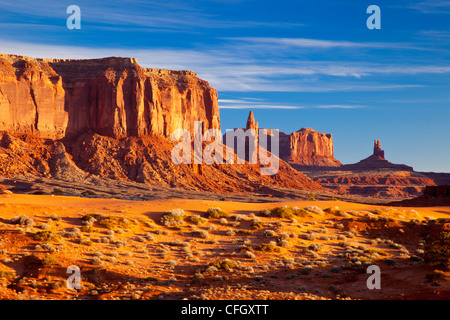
{"type": "Point", "coordinates": [317, 256]}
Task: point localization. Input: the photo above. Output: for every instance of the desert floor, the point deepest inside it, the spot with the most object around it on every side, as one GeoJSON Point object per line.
{"type": "Point", "coordinates": [124, 251]}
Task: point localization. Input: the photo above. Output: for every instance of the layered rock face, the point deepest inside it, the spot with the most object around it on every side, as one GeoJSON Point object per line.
{"type": "Point", "coordinates": [114, 97]}
{"type": "Point", "coordinates": [307, 147]}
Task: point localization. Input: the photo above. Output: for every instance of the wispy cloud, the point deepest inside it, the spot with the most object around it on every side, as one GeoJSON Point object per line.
{"type": "Point", "coordinates": [257, 106]}
{"type": "Point", "coordinates": [432, 6]}
{"type": "Point", "coordinates": [436, 34]}
{"type": "Point", "coordinates": [229, 70]}
{"type": "Point", "coordinates": [340, 106]}
{"type": "Point", "coordinates": [170, 15]}
{"type": "Point", "coordinates": [252, 103]}
{"type": "Point", "coordinates": [322, 44]}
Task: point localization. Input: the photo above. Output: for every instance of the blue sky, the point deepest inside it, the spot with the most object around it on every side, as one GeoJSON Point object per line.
{"type": "Point", "coordinates": [295, 63]}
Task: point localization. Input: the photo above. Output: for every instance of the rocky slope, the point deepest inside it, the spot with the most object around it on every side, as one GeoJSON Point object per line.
{"type": "Point", "coordinates": [432, 196]}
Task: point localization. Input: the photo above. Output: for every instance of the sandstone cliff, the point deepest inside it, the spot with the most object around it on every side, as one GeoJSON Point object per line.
{"type": "Point", "coordinates": [307, 147]}
{"type": "Point", "coordinates": [111, 96]}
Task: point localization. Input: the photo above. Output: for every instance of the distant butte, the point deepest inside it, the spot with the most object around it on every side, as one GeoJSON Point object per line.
{"type": "Point", "coordinates": [376, 161]}
{"type": "Point", "coordinates": [304, 148]}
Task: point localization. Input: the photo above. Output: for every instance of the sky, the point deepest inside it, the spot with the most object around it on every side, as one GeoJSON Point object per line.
{"type": "Point", "coordinates": [295, 63]}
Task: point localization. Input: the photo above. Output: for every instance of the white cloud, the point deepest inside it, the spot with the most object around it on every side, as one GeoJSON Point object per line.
{"type": "Point", "coordinates": [323, 44]}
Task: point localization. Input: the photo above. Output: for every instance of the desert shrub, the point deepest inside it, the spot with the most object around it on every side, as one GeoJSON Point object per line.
{"type": "Point", "coordinates": [250, 255]}
{"type": "Point", "coordinates": [283, 243]}
{"type": "Point", "coordinates": [306, 270]}
{"type": "Point", "coordinates": [310, 236]}
{"type": "Point", "coordinates": [312, 196]}
{"type": "Point", "coordinates": [110, 222]}
{"type": "Point", "coordinates": [265, 212]}
{"type": "Point", "coordinates": [230, 232]}
{"type": "Point", "coordinates": [57, 191]}
{"type": "Point", "coordinates": [225, 264]}
{"type": "Point", "coordinates": [223, 221]}
{"type": "Point", "coordinates": [216, 213]}
{"type": "Point", "coordinates": [55, 217]}
{"type": "Point", "coordinates": [332, 210]}
{"type": "Point", "coordinates": [22, 220]}
{"type": "Point", "coordinates": [196, 219]}
{"type": "Point", "coordinates": [88, 193]}
{"type": "Point", "coordinates": [92, 217]}
{"type": "Point", "coordinates": [315, 247]}
{"type": "Point", "coordinates": [377, 251]}
{"type": "Point", "coordinates": [97, 261]}
{"type": "Point", "coordinates": [104, 240]}
{"type": "Point", "coordinates": [437, 251]}
{"type": "Point", "coordinates": [39, 192]}
{"type": "Point", "coordinates": [201, 234]}
{"type": "Point", "coordinates": [86, 241]}
{"type": "Point", "coordinates": [87, 228]}
{"type": "Point", "coordinates": [286, 212]}
{"type": "Point", "coordinates": [6, 274]}
{"type": "Point", "coordinates": [256, 224]}
{"type": "Point", "coordinates": [268, 247]}
{"type": "Point", "coordinates": [435, 276]}
{"type": "Point", "coordinates": [269, 233]}
{"type": "Point", "coordinates": [49, 261]}
{"type": "Point", "coordinates": [44, 226]}
{"type": "Point", "coordinates": [314, 209]}
{"type": "Point", "coordinates": [173, 218]}
{"type": "Point", "coordinates": [390, 262]}
{"type": "Point", "coordinates": [321, 230]}
{"type": "Point", "coordinates": [378, 211]}
{"type": "Point", "coordinates": [47, 236]}
{"type": "Point", "coordinates": [349, 234]}
{"type": "Point", "coordinates": [115, 222]}
{"type": "Point", "coordinates": [335, 269]}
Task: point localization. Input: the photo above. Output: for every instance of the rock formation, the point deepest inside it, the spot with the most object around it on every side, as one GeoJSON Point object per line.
{"type": "Point", "coordinates": [301, 149]}
{"type": "Point", "coordinates": [376, 161]}
{"type": "Point", "coordinates": [111, 118]}
{"type": "Point", "coordinates": [251, 123]}
{"type": "Point", "coordinates": [307, 147]}
{"type": "Point", "coordinates": [111, 96]}
{"type": "Point", "coordinates": [377, 152]}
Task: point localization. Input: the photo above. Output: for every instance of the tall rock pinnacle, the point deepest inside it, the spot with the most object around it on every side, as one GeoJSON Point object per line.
{"type": "Point", "coordinates": [251, 123]}
{"type": "Point", "coordinates": [377, 150]}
